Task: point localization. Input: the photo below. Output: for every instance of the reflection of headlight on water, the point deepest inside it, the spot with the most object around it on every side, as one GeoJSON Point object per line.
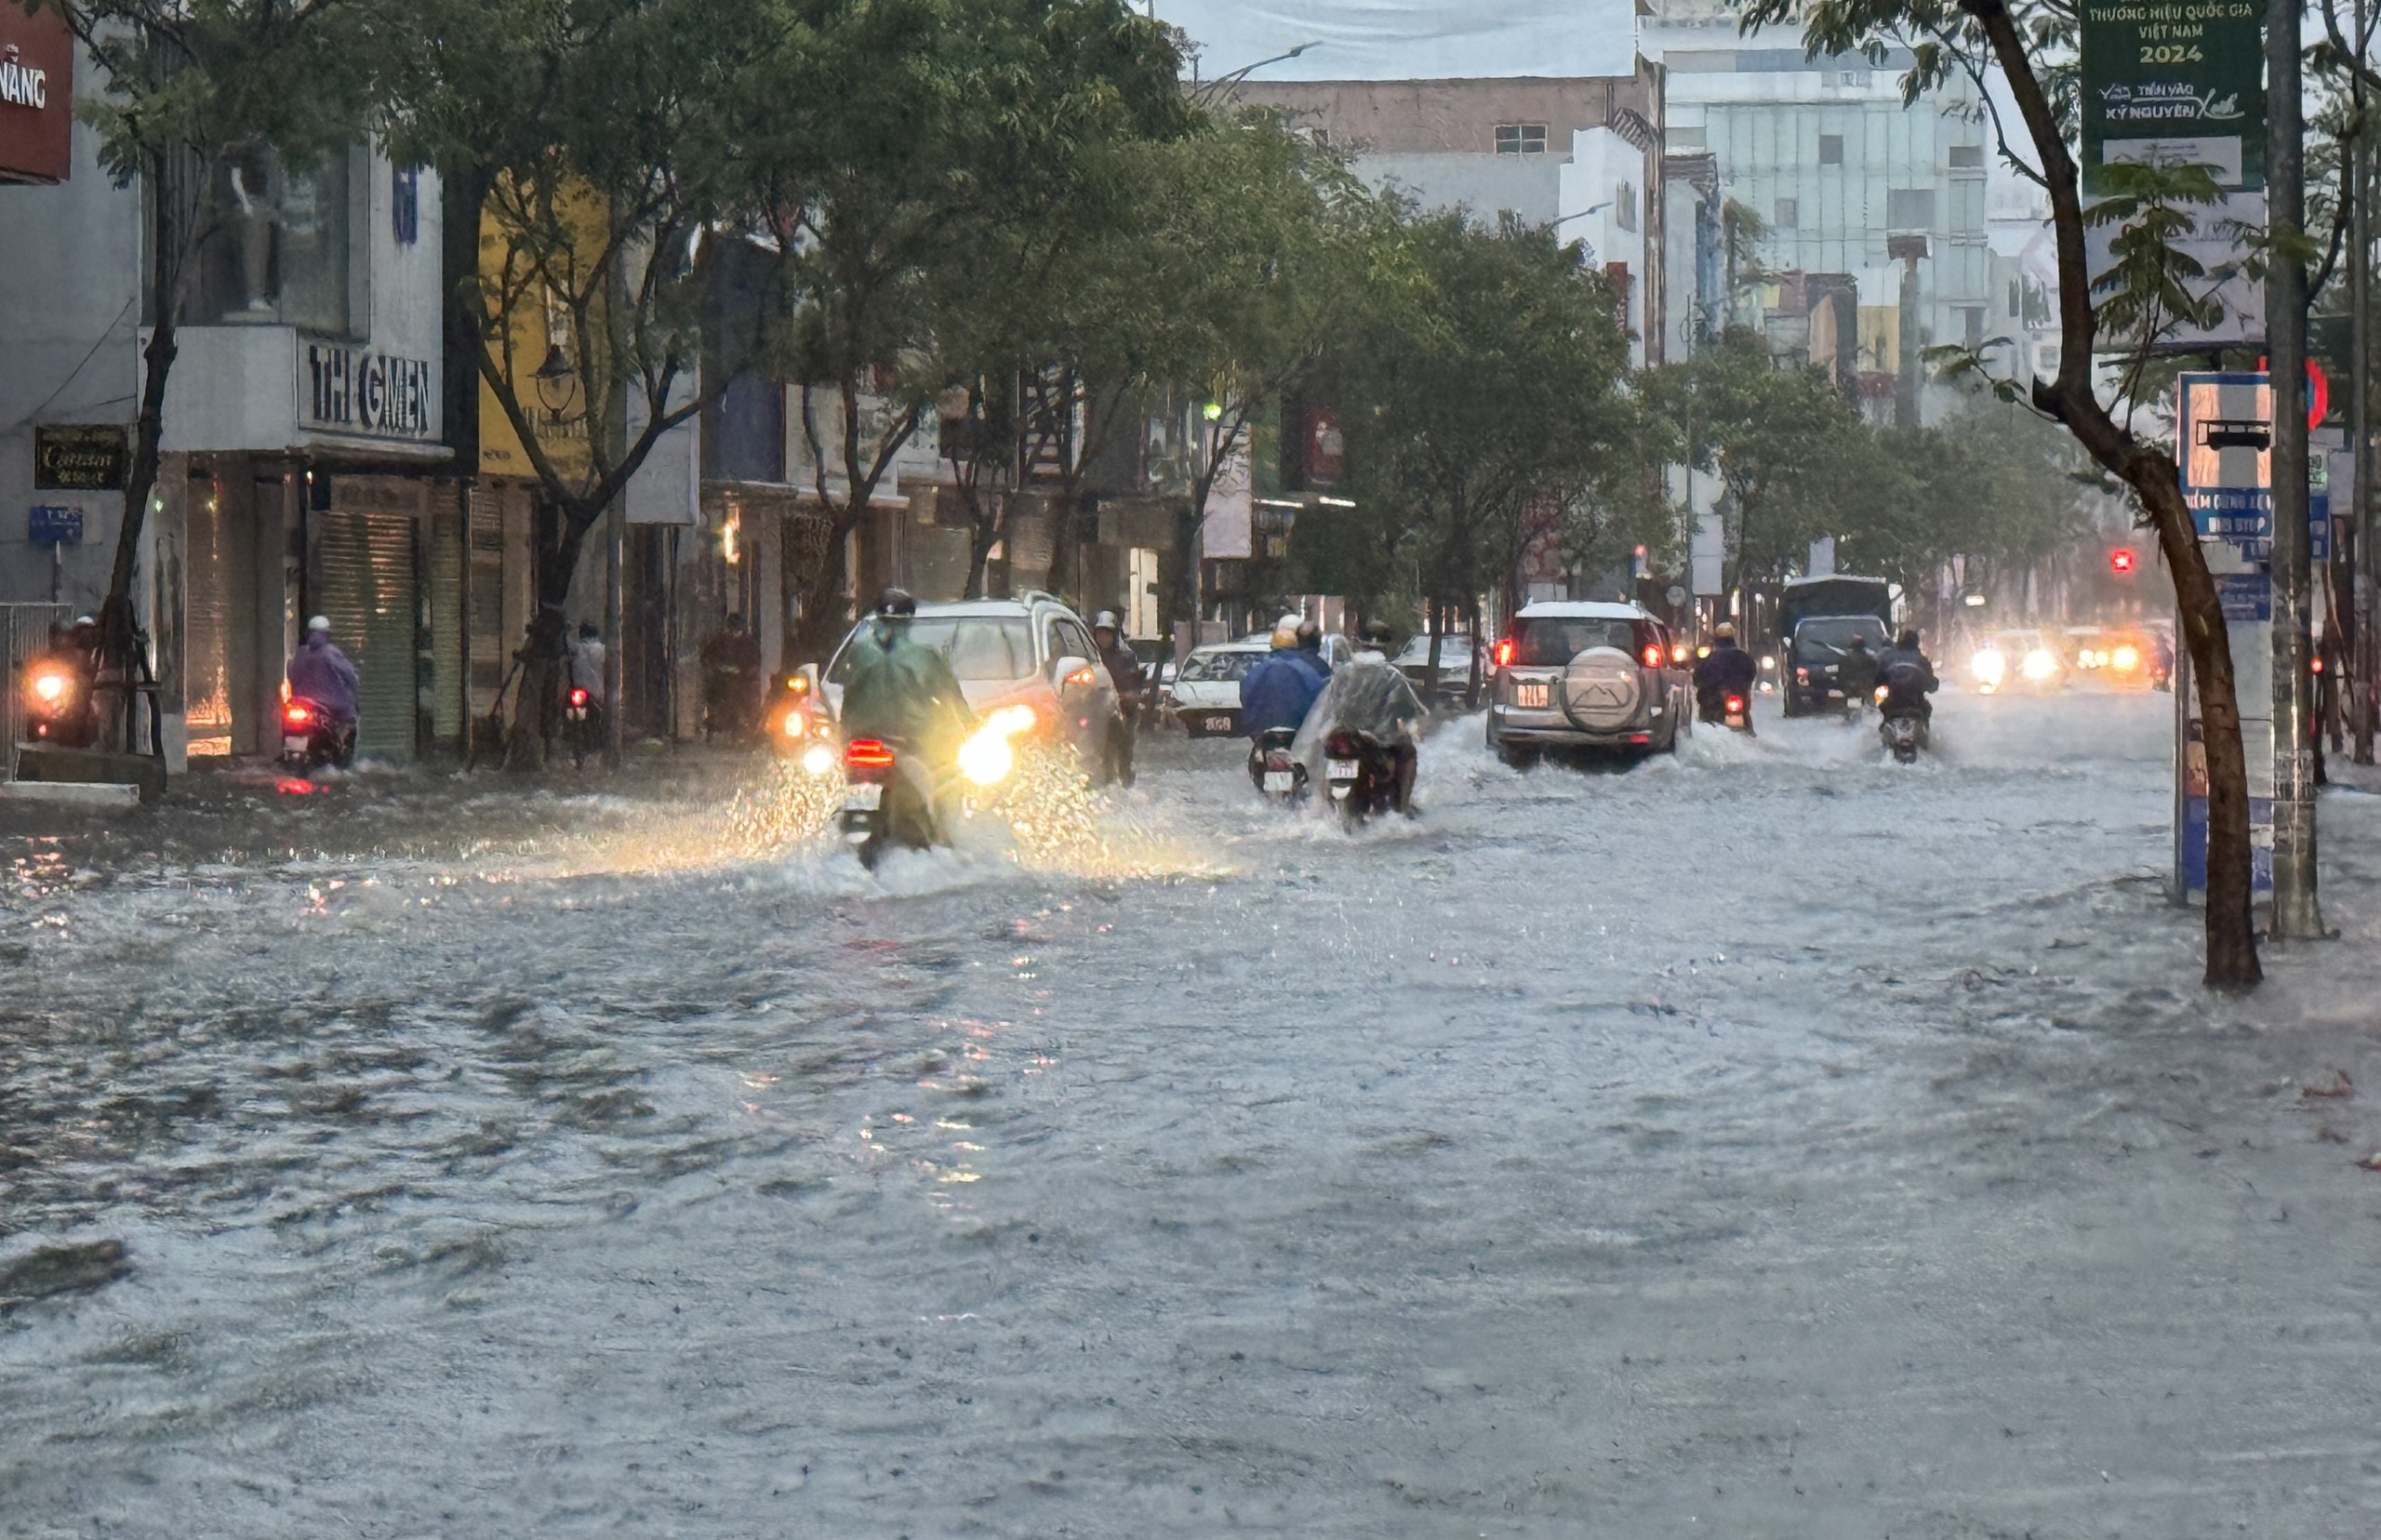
{"type": "Point", "coordinates": [986, 759]}
{"type": "Point", "coordinates": [2040, 664]}
{"type": "Point", "coordinates": [1990, 666]}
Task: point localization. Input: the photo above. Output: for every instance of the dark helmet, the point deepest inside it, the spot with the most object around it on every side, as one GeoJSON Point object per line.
{"type": "Point", "coordinates": [897, 602]}
{"type": "Point", "coordinates": [1906, 639]}
{"type": "Point", "coordinates": [1859, 640]}
{"type": "Point", "coordinates": [587, 630]}
{"type": "Point", "coordinates": [736, 620]}
{"type": "Point", "coordinates": [1379, 634]}
{"type": "Point", "coordinates": [1311, 635]}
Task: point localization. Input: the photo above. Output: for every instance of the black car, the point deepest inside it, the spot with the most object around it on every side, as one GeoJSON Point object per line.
{"type": "Point", "coordinates": [1814, 652]}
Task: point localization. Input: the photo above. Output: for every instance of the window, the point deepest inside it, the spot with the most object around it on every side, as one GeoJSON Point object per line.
{"type": "Point", "coordinates": [1830, 149]}
{"type": "Point", "coordinates": [1521, 139]}
{"type": "Point", "coordinates": [1624, 206]}
{"type": "Point", "coordinates": [1910, 209]}
{"type": "Point", "coordinates": [983, 648]}
{"type": "Point", "coordinates": [1788, 212]}
{"type": "Point", "coordinates": [405, 203]}
{"type": "Point", "coordinates": [1969, 157]}
{"type": "Point", "coordinates": [1075, 642]}
{"type": "Point", "coordinates": [1972, 326]}
{"type": "Point", "coordinates": [1553, 641]}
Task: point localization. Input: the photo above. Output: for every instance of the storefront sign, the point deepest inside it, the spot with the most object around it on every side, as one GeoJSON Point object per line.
{"type": "Point", "coordinates": [36, 96]}
{"type": "Point", "coordinates": [79, 457]}
{"type": "Point", "coordinates": [356, 391]}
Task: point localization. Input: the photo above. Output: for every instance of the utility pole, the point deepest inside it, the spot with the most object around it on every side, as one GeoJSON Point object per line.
{"type": "Point", "coordinates": [2296, 913]}
{"type": "Point", "coordinates": [2361, 702]}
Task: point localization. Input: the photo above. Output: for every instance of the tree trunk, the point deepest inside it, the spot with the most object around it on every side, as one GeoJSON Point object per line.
{"type": "Point", "coordinates": [546, 651]}
{"type": "Point", "coordinates": [119, 633]}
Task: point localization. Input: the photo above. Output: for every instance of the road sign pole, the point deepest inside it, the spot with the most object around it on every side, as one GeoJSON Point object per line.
{"type": "Point", "coordinates": [2296, 912]}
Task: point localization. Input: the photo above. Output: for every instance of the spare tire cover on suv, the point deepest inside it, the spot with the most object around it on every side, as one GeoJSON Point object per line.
{"type": "Point", "coordinates": [1602, 690]}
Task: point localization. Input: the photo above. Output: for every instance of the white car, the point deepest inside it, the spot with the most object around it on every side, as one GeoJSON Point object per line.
{"type": "Point", "coordinates": [1204, 695]}
{"type": "Point", "coordinates": [1032, 650]}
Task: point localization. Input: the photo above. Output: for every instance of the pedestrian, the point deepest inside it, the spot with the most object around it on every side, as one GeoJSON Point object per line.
{"type": "Point", "coordinates": [1130, 678]}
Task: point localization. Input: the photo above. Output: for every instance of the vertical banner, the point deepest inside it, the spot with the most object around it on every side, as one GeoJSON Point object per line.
{"type": "Point", "coordinates": [2180, 84]}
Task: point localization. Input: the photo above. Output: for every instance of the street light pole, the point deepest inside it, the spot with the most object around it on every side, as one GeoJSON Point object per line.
{"type": "Point", "coordinates": [2296, 913]}
{"type": "Point", "coordinates": [2359, 684]}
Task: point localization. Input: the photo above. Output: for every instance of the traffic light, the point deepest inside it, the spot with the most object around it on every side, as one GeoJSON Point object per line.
{"type": "Point", "coordinates": [2121, 561]}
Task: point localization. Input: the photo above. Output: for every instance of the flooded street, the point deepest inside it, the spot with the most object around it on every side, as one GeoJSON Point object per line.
{"type": "Point", "coordinates": [1765, 1142]}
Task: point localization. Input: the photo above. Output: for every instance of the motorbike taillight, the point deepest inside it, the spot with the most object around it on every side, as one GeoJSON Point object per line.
{"type": "Point", "coordinates": [578, 697]}
{"type": "Point", "coordinates": [1343, 746]}
{"type": "Point", "coordinates": [1736, 703]}
{"type": "Point", "coordinates": [296, 714]}
{"type": "Point", "coordinates": [867, 754]}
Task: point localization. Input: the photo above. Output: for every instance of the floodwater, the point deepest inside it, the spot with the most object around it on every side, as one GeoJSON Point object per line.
{"type": "Point", "coordinates": [1772, 1141]}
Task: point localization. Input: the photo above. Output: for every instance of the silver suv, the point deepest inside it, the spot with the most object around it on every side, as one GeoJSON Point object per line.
{"type": "Point", "coordinates": [1575, 674]}
{"type": "Point", "coordinates": [1033, 649]}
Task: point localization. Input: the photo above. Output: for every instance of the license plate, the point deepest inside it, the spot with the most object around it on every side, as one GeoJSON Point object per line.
{"type": "Point", "coordinates": [1736, 719]}
{"type": "Point", "coordinates": [1277, 780]}
{"type": "Point", "coordinates": [292, 744]}
{"type": "Point", "coordinates": [1217, 724]}
{"type": "Point", "coordinates": [1343, 769]}
{"type": "Point", "coordinates": [578, 713]}
{"type": "Point", "coordinates": [863, 797]}
{"type": "Point", "coordinates": [1530, 694]}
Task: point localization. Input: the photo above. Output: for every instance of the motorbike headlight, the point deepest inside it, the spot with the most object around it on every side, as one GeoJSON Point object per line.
{"type": "Point", "coordinates": [2040, 664]}
{"type": "Point", "coordinates": [1990, 666]}
{"type": "Point", "coordinates": [818, 760]}
{"type": "Point", "coordinates": [49, 686]}
{"type": "Point", "coordinates": [986, 758]}
{"type": "Point", "coordinates": [796, 723]}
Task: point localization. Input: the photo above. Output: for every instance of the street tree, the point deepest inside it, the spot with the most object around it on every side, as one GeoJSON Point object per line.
{"type": "Point", "coordinates": [196, 93]}
{"type": "Point", "coordinates": [925, 157]}
{"type": "Point", "coordinates": [1483, 401]}
{"type": "Point", "coordinates": [593, 149]}
{"type": "Point", "coordinates": [2030, 46]}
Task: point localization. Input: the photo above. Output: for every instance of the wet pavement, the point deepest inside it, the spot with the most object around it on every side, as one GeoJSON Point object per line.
{"type": "Point", "coordinates": [1767, 1142]}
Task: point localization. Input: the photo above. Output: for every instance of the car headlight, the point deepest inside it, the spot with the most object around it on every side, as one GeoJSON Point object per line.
{"type": "Point", "coordinates": [818, 760]}
{"type": "Point", "coordinates": [1990, 666]}
{"type": "Point", "coordinates": [2040, 664]}
{"type": "Point", "coordinates": [2125, 660]}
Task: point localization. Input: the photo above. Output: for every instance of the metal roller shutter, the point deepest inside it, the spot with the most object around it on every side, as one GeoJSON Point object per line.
{"type": "Point", "coordinates": [368, 596]}
{"type": "Point", "coordinates": [206, 628]}
{"type": "Point", "coordinates": [446, 558]}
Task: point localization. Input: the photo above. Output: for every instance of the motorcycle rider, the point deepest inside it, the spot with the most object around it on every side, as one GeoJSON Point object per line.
{"type": "Point", "coordinates": [1908, 679]}
{"type": "Point", "coordinates": [1856, 675]}
{"type": "Point", "coordinates": [75, 650]}
{"type": "Point", "coordinates": [901, 692]}
{"type": "Point", "coordinates": [320, 672]}
{"type": "Point", "coordinates": [731, 680]}
{"type": "Point", "coordinates": [1726, 670]}
{"type": "Point", "coordinates": [1131, 678]}
{"type": "Point", "coordinates": [1282, 687]}
{"type": "Point", "coordinates": [1309, 634]}
{"type": "Point", "coordinates": [1370, 696]}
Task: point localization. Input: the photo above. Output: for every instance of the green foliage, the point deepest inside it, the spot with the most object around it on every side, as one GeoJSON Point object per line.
{"type": "Point", "coordinates": [1480, 395]}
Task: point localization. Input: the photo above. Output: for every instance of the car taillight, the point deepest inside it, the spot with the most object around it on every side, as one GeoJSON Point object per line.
{"type": "Point", "coordinates": [1653, 655]}
{"type": "Point", "coordinates": [1677, 652]}
{"type": "Point", "coordinates": [578, 697]}
{"type": "Point", "coordinates": [2317, 665]}
{"type": "Point", "coordinates": [867, 754]}
{"type": "Point", "coordinates": [1801, 676]}
{"type": "Point", "coordinates": [1505, 653]}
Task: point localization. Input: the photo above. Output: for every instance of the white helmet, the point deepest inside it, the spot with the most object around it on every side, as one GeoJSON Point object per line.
{"type": "Point", "coordinates": [1107, 621]}
{"type": "Point", "coordinates": [319, 623]}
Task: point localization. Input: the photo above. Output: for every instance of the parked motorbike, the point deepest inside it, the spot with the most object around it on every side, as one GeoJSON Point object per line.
{"type": "Point", "coordinates": [311, 737]}
{"type": "Point", "coordinates": [800, 728]}
{"type": "Point", "coordinates": [58, 705]}
{"type": "Point", "coordinates": [893, 796]}
{"type": "Point", "coordinates": [1273, 769]}
{"type": "Point", "coordinates": [1363, 775]}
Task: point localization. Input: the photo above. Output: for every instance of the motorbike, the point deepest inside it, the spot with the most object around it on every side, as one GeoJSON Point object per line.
{"type": "Point", "coordinates": [58, 706]}
{"type": "Point", "coordinates": [800, 728]}
{"type": "Point", "coordinates": [583, 718]}
{"type": "Point", "coordinates": [1273, 769]}
{"type": "Point", "coordinates": [311, 737]}
{"type": "Point", "coordinates": [1903, 730]}
{"type": "Point", "coordinates": [895, 797]}
{"type": "Point", "coordinates": [1733, 710]}
{"type": "Point", "coordinates": [1363, 775]}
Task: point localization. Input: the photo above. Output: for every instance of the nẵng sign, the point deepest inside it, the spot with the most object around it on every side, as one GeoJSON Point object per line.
{"type": "Point", "coordinates": [348, 390]}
